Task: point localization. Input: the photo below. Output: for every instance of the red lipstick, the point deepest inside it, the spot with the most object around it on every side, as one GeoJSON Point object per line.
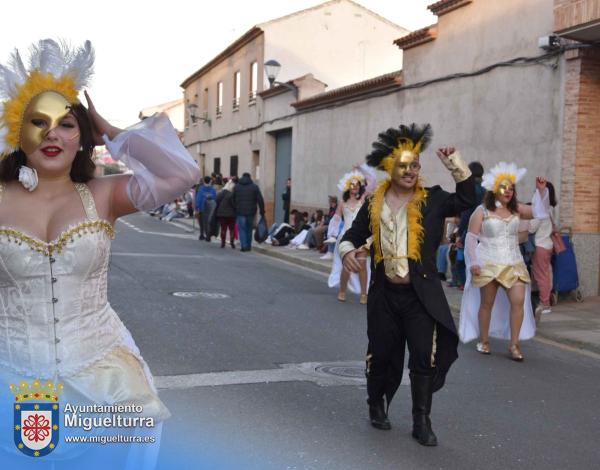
{"type": "Point", "coordinates": [51, 151]}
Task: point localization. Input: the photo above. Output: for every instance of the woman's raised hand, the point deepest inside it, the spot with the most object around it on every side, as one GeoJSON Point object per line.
{"type": "Point", "coordinates": [100, 126]}
{"type": "Point", "coordinates": [540, 184]}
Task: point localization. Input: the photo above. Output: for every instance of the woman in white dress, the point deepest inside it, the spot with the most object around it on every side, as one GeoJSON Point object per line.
{"type": "Point", "coordinates": [355, 187]}
{"type": "Point", "coordinates": [59, 333]}
{"type": "Point", "coordinates": [497, 296]}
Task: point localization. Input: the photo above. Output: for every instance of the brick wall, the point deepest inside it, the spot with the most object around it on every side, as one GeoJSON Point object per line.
{"type": "Point", "coordinates": [570, 13]}
{"type": "Point", "coordinates": [571, 119]}
{"type": "Point", "coordinates": [580, 194]}
{"type": "Point", "coordinates": [587, 164]}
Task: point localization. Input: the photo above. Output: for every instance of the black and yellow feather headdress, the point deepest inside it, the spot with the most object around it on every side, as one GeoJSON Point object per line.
{"type": "Point", "coordinates": [393, 142]}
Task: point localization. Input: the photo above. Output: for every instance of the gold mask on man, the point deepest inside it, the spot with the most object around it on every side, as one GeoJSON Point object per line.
{"type": "Point", "coordinates": [43, 114]}
{"type": "Point", "coordinates": [405, 162]}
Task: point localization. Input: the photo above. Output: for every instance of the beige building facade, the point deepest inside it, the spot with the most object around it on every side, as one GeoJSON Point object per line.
{"type": "Point", "coordinates": [229, 123]}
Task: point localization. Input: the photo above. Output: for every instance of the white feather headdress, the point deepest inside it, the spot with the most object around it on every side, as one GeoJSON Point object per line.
{"type": "Point", "coordinates": [53, 66]}
{"type": "Point", "coordinates": [502, 171]}
{"type": "Point", "coordinates": [355, 175]}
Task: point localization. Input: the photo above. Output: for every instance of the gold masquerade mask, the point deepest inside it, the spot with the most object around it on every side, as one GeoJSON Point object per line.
{"type": "Point", "coordinates": [44, 113]}
{"type": "Point", "coordinates": [405, 162]}
{"type": "Point", "coordinates": [504, 186]}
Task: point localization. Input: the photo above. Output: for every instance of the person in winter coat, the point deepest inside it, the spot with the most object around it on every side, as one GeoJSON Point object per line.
{"type": "Point", "coordinates": [205, 206]}
{"type": "Point", "coordinates": [246, 197]}
{"type": "Point", "coordinates": [226, 213]}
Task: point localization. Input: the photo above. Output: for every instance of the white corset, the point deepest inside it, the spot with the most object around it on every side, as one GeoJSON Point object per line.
{"type": "Point", "coordinates": [55, 319]}
{"type": "Point", "coordinates": [499, 240]}
{"type": "Point", "coordinates": [349, 216]}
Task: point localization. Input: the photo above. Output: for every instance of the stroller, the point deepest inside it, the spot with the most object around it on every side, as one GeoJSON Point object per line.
{"type": "Point", "coordinates": [564, 273]}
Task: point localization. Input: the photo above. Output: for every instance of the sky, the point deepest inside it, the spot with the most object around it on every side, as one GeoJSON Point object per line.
{"type": "Point", "coordinates": [145, 49]}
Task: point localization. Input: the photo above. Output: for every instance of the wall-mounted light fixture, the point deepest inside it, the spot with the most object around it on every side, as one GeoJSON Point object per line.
{"type": "Point", "coordinates": [193, 109]}
{"type": "Point", "coordinates": [272, 68]}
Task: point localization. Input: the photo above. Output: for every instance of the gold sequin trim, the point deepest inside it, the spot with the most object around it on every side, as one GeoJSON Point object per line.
{"type": "Point", "coordinates": [48, 249]}
{"type": "Point", "coordinates": [88, 201]}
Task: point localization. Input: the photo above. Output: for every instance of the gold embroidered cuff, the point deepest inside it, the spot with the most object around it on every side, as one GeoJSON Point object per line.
{"type": "Point", "coordinates": [345, 248]}
{"type": "Point", "coordinates": [458, 168]}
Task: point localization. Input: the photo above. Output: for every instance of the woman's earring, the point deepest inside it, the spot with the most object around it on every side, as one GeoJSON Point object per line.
{"type": "Point", "coordinates": [498, 204]}
{"type": "Point", "coordinates": [81, 148]}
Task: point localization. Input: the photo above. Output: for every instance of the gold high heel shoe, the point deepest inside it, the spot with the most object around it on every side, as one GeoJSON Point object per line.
{"type": "Point", "coordinates": [341, 296]}
{"type": "Point", "coordinates": [483, 347]}
{"type": "Point", "coordinates": [363, 299]}
{"type": "Point", "coordinates": [515, 353]}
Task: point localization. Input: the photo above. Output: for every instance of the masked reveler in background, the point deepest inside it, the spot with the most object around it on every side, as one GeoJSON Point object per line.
{"type": "Point", "coordinates": [56, 222]}
{"type": "Point", "coordinates": [354, 187]}
{"type": "Point", "coordinates": [497, 296]}
{"type": "Point", "coordinates": [401, 224]}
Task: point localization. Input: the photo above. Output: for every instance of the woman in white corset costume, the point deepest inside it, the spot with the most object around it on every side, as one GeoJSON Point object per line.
{"type": "Point", "coordinates": [355, 187]}
{"type": "Point", "coordinates": [497, 296]}
{"type": "Point", "coordinates": [56, 227]}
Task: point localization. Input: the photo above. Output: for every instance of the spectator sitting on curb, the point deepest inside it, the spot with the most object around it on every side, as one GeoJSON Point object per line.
{"type": "Point", "coordinates": [310, 240]}
{"type": "Point", "coordinates": [275, 228]}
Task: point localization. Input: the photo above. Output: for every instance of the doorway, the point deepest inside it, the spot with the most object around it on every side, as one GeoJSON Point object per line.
{"type": "Point", "coordinates": [283, 169]}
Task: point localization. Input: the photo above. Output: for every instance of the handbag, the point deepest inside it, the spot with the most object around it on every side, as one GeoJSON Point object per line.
{"type": "Point", "coordinates": [261, 233]}
{"type": "Point", "coordinates": [558, 244]}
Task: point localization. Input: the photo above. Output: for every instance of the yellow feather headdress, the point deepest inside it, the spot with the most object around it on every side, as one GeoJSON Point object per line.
{"type": "Point", "coordinates": [502, 172]}
{"type": "Point", "coordinates": [52, 67]}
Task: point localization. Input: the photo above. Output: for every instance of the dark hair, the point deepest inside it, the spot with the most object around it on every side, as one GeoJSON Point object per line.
{"type": "Point", "coordinates": [489, 201]}
{"type": "Point", "coordinates": [246, 174]}
{"type": "Point", "coordinates": [207, 179]}
{"type": "Point", "coordinates": [477, 170]}
{"type": "Point", "coordinates": [551, 194]}
{"type": "Point", "coordinates": [361, 191]}
{"type": "Point", "coordinates": [82, 168]}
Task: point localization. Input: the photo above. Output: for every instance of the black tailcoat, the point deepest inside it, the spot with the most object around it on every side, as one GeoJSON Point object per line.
{"type": "Point", "coordinates": [439, 205]}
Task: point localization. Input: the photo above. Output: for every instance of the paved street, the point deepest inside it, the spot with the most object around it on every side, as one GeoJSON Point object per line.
{"type": "Point", "coordinates": [262, 368]}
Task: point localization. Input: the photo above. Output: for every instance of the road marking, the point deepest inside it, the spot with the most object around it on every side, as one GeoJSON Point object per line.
{"type": "Point", "coordinates": [303, 372]}
{"type": "Point", "coordinates": [146, 232]}
{"type": "Point", "coordinates": [161, 255]}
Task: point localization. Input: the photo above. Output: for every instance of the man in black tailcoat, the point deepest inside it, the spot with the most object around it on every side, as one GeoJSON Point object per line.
{"type": "Point", "coordinates": [401, 225]}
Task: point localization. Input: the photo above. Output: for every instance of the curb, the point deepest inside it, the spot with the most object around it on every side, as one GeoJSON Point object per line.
{"type": "Point", "coordinates": [292, 259]}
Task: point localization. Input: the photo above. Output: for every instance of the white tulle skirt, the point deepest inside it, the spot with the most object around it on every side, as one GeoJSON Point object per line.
{"type": "Point", "coordinates": [336, 271]}
{"type": "Point", "coordinates": [500, 321]}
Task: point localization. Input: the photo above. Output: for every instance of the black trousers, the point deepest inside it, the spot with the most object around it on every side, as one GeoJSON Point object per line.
{"type": "Point", "coordinates": [395, 319]}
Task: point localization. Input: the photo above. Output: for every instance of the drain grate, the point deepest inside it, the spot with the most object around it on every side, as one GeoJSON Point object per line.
{"type": "Point", "coordinates": [354, 372]}
{"type": "Point", "coordinates": [196, 294]}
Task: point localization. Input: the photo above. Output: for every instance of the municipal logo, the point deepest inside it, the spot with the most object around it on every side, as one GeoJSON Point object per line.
{"type": "Point", "coordinates": [36, 417]}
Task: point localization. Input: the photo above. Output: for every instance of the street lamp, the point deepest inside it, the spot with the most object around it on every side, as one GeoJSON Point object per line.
{"type": "Point", "coordinates": [193, 109]}
{"type": "Point", "coordinates": [272, 68]}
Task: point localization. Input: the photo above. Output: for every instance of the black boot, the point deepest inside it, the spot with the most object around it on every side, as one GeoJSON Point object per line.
{"type": "Point", "coordinates": [421, 387]}
{"type": "Point", "coordinates": [378, 416]}
{"type": "Point", "coordinates": [377, 408]}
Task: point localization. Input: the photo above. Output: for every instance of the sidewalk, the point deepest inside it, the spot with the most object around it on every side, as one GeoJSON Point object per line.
{"type": "Point", "coordinates": [571, 323]}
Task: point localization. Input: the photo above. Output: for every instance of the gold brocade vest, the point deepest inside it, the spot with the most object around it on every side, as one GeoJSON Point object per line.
{"type": "Point", "coordinates": [394, 241]}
